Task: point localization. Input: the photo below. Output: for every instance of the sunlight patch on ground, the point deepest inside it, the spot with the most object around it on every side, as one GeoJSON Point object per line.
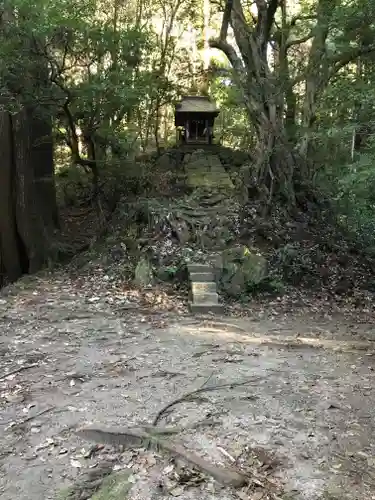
{"type": "Point", "coordinates": [281, 340]}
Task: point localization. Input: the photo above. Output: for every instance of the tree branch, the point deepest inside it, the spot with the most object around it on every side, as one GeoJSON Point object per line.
{"type": "Point", "coordinates": [229, 51]}
{"type": "Point", "coordinates": [271, 11]}
{"type": "Point", "coordinates": [294, 19]}
{"type": "Point", "coordinates": [73, 141]}
{"type": "Point", "coordinates": [341, 60]}
{"type": "Point", "coordinates": [226, 19]}
{"type": "Point", "coordinates": [298, 41]}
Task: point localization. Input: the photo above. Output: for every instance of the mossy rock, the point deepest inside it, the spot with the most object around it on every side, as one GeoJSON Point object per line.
{"type": "Point", "coordinates": [66, 494]}
{"type": "Point", "coordinates": [116, 486]}
{"type": "Point", "coordinates": [143, 275]}
{"type": "Point", "coordinates": [240, 270]}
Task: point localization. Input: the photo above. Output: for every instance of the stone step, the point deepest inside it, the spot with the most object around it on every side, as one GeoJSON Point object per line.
{"type": "Point", "coordinates": [198, 287]}
{"type": "Point", "coordinates": [206, 308]}
{"type": "Point", "coordinates": [203, 291]}
{"type": "Point", "coordinates": [199, 268]}
{"type": "Point", "coordinates": [205, 298]}
{"type": "Point", "coordinates": [202, 277]}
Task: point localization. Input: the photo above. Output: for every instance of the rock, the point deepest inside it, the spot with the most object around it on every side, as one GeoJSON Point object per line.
{"type": "Point", "coordinates": [143, 275]}
{"type": "Point", "coordinates": [116, 486]}
{"type": "Point", "coordinates": [187, 158]}
{"type": "Point", "coordinates": [117, 253]}
{"type": "Point", "coordinates": [233, 158]}
{"type": "Point", "coordinates": [165, 162]}
{"type": "Point", "coordinates": [166, 273]}
{"type": "Point", "coordinates": [239, 269]}
{"type": "Point", "coordinates": [181, 230]}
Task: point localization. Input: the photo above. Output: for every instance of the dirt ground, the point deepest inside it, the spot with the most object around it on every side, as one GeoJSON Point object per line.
{"type": "Point", "coordinates": [302, 426]}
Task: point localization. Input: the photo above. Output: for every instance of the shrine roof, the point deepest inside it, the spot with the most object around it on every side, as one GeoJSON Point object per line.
{"type": "Point", "coordinates": [196, 104]}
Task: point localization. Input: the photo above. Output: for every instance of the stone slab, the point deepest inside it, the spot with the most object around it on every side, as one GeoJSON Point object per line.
{"type": "Point", "coordinates": [205, 298]}
{"type": "Point", "coordinates": [198, 287]}
{"type": "Point", "coordinates": [206, 308]}
{"type": "Point", "coordinates": [202, 277]}
{"type": "Point", "coordinates": [199, 268]}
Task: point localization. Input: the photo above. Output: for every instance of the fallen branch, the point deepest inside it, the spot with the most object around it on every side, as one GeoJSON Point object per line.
{"type": "Point", "coordinates": [18, 370]}
{"type": "Point", "coordinates": [138, 437]}
{"type": "Point", "coordinates": [190, 396]}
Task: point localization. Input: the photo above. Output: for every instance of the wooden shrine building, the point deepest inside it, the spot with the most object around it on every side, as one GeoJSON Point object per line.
{"type": "Point", "coordinates": [194, 120]}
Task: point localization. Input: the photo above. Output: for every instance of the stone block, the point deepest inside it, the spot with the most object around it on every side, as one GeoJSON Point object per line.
{"type": "Point", "coordinates": [199, 268]}
{"type": "Point", "coordinates": [204, 298]}
{"type": "Point", "coordinates": [202, 277]}
{"type": "Point", "coordinates": [199, 287]}
{"type": "Point", "coordinates": [206, 308]}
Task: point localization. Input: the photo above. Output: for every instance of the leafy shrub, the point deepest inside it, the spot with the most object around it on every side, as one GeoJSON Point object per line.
{"type": "Point", "coordinates": [355, 200]}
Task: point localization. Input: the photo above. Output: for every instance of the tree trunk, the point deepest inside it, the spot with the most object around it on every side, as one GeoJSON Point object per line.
{"type": "Point", "coordinates": [28, 210]}
{"type": "Point", "coordinates": [316, 76]}
{"type": "Point", "coordinates": [9, 242]}
{"type": "Point", "coordinates": [262, 96]}
{"type": "Point", "coordinates": [29, 220]}
{"type": "Point", "coordinates": [42, 160]}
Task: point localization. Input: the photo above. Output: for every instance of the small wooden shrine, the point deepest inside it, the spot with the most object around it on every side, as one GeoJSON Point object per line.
{"type": "Point", "coordinates": [194, 120]}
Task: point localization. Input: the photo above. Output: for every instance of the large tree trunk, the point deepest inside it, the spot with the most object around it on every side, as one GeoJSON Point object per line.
{"type": "Point", "coordinates": [9, 241]}
{"type": "Point", "coordinates": [43, 163]}
{"type": "Point", "coordinates": [28, 216]}
{"type": "Point", "coordinates": [262, 96]}
{"type": "Point", "coordinates": [24, 228]}
{"type": "Point", "coordinates": [28, 210]}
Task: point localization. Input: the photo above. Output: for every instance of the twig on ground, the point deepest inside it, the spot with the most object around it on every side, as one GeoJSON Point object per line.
{"type": "Point", "coordinates": [168, 431]}
{"type": "Point", "coordinates": [207, 380]}
{"type": "Point", "coordinates": [190, 396]}
{"type": "Point", "coordinates": [17, 370]}
{"type": "Point", "coordinates": [36, 415]}
{"type": "Point", "coordinates": [226, 454]}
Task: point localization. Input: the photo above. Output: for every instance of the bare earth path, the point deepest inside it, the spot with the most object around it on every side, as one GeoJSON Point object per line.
{"type": "Point", "coordinates": [310, 406]}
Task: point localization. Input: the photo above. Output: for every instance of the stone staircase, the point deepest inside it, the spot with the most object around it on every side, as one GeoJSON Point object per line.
{"type": "Point", "coordinates": [208, 212]}
{"type": "Point", "coordinates": [203, 292]}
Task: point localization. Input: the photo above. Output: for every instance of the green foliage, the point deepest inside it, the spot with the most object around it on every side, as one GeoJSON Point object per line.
{"type": "Point", "coordinates": [355, 199]}
{"type": "Point", "coordinates": [232, 125]}
{"type": "Point", "coordinates": [86, 68]}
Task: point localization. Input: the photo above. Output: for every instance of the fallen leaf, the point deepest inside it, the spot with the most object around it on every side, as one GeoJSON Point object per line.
{"type": "Point", "coordinates": [333, 406]}
{"type": "Point", "coordinates": [27, 408]}
{"type": "Point", "coordinates": [75, 463]}
{"type": "Point", "coordinates": [258, 495]}
{"type": "Point", "coordinates": [176, 492]}
{"type": "Point", "coordinates": [168, 469]}
{"type": "Point", "coordinates": [42, 446]}
{"type": "Point", "coordinates": [211, 487]}
{"type": "Point", "coordinates": [242, 495]}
